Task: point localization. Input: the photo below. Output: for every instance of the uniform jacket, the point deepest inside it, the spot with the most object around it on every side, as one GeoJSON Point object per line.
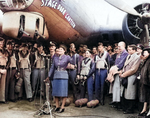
{"type": "Point", "coordinates": [80, 58]}
{"type": "Point", "coordinates": [59, 63]}
{"type": "Point", "coordinates": [112, 59]}
{"type": "Point", "coordinates": [27, 56]}
{"type": "Point", "coordinates": [34, 57]}
{"type": "Point", "coordinates": [74, 59]}
{"type": "Point", "coordinates": [14, 55]}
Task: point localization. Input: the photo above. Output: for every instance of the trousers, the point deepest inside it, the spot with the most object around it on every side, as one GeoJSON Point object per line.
{"type": "Point", "coordinates": [2, 87]}
{"type": "Point", "coordinates": [72, 77]}
{"type": "Point", "coordinates": [38, 75]}
{"type": "Point", "coordinates": [10, 84]}
{"type": "Point", "coordinates": [89, 85]}
{"type": "Point", "coordinates": [25, 75]}
{"type": "Point", "coordinates": [100, 78]}
{"type": "Point", "coordinates": [90, 89]}
{"type": "Point", "coordinates": [117, 89]}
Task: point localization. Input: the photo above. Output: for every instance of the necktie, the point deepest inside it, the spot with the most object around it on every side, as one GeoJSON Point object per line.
{"type": "Point", "coordinates": [129, 57]}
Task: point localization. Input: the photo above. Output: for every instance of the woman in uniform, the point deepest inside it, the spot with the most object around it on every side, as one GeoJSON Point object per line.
{"type": "Point", "coordinates": [60, 78]}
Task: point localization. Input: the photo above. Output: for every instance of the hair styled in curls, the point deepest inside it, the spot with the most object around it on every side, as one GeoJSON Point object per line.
{"type": "Point", "coordinates": [63, 46]}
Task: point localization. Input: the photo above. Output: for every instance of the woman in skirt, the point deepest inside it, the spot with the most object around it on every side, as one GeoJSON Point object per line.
{"type": "Point", "coordinates": [59, 76]}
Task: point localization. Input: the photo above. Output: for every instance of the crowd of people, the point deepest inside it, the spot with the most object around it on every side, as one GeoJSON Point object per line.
{"type": "Point", "coordinates": [124, 74]}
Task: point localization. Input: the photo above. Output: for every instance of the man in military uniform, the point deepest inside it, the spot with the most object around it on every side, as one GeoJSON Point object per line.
{"type": "Point", "coordinates": [52, 49]}
{"type": "Point", "coordinates": [38, 75]}
{"type": "Point", "coordinates": [11, 70]}
{"type": "Point", "coordinates": [25, 71]}
{"type": "Point", "coordinates": [72, 69]}
{"type": "Point", "coordinates": [3, 71]}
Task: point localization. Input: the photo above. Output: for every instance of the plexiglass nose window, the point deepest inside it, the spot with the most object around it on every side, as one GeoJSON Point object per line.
{"type": "Point", "coordinates": [14, 4]}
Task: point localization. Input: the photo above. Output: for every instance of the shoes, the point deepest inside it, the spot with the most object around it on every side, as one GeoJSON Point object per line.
{"type": "Point", "coordinates": [61, 110]}
{"type": "Point", "coordinates": [128, 112]}
{"type": "Point", "coordinates": [102, 103]}
{"type": "Point", "coordinates": [20, 98]}
{"type": "Point", "coordinates": [110, 96]}
{"type": "Point", "coordinates": [33, 94]}
{"type": "Point", "coordinates": [142, 114]}
{"type": "Point", "coordinates": [119, 107]}
{"type": "Point", "coordinates": [147, 116]}
{"type": "Point", "coordinates": [4, 102]}
{"type": "Point", "coordinates": [13, 100]}
{"type": "Point", "coordinates": [57, 109]}
{"type": "Point", "coordinates": [30, 99]}
{"type": "Point", "coordinates": [111, 103]}
{"type": "Point", "coordinates": [114, 106]}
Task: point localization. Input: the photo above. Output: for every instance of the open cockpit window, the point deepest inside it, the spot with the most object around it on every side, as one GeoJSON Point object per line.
{"type": "Point", "coordinates": [14, 4]}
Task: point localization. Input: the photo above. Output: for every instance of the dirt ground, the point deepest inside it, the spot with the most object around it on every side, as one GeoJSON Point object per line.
{"type": "Point", "coordinates": [25, 109]}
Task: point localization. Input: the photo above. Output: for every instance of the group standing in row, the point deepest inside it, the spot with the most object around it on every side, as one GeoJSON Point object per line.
{"type": "Point", "coordinates": [23, 69]}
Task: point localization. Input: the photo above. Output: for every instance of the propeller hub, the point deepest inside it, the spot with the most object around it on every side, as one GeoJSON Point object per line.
{"type": "Point", "coordinates": [146, 18]}
{"type": "Point", "coordinates": [139, 23]}
{"type": "Point", "coordinates": [136, 24]}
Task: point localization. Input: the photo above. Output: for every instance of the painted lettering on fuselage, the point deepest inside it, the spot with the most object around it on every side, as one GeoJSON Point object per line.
{"type": "Point", "coordinates": [54, 4]}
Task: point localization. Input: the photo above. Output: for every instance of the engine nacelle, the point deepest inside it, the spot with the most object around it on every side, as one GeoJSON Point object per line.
{"type": "Point", "coordinates": [24, 24]}
{"type": "Point", "coordinates": [1, 21]}
{"type": "Point", "coordinates": [132, 27]}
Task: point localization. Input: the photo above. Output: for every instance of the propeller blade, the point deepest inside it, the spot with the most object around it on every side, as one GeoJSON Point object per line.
{"type": "Point", "coordinates": [120, 4]}
{"type": "Point", "coordinates": [147, 35]}
{"type": "Point", "coordinates": [146, 7]}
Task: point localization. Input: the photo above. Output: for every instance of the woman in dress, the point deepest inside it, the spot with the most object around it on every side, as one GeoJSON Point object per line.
{"type": "Point", "coordinates": [145, 81]}
{"type": "Point", "coordinates": [59, 77]}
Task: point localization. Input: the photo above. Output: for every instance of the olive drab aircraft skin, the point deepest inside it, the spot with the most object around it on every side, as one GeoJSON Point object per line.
{"type": "Point", "coordinates": [66, 21]}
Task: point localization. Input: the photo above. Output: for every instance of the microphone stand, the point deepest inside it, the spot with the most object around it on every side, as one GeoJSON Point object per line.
{"type": "Point", "coordinates": [46, 109]}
